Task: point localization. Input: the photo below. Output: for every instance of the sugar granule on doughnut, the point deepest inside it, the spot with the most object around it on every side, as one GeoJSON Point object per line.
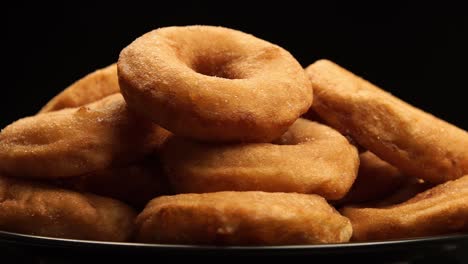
{"type": "Point", "coordinates": [241, 218]}
{"type": "Point", "coordinates": [440, 210]}
{"type": "Point", "coordinates": [38, 209]}
{"type": "Point", "coordinates": [91, 88]}
{"type": "Point", "coordinates": [308, 158]}
{"type": "Point", "coordinates": [75, 141]}
{"type": "Point", "coordinates": [415, 142]}
{"type": "Point", "coordinates": [213, 84]}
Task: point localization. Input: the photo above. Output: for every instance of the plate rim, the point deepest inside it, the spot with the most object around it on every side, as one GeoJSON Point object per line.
{"type": "Point", "coordinates": [25, 239]}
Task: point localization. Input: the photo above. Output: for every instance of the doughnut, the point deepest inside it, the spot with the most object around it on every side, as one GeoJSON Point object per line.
{"type": "Point", "coordinates": [241, 218]}
{"type": "Point", "coordinates": [88, 89]}
{"type": "Point", "coordinates": [415, 142]}
{"type": "Point", "coordinates": [134, 184]}
{"type": "Point", "coordinates": [76, 141]}
{"type": "Point", "coordinates": [37, 209]}
{"type": "Point", "coordinates": [213, 84]}
{"type": "Point", "coordinates": [308, 158]}
{"type": "Point", "coordinates": [375, 180]}
{"type": "Point", "coordinates": [437, 211]}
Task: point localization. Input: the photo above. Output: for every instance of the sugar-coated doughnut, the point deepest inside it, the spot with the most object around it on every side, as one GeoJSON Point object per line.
{"type": "Point", "coordinates": [213, 83]}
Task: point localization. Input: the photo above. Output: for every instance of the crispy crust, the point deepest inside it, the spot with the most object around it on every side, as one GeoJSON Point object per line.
{"type": "Point", "coordinates": [38, 209]}
{"type": "Point", "coordinates": [75, 141]}
{"type": "Point", "coordinates": [308, 158]}
{"type": "Point", "coordinates": [88, 89]}
{"type": "Point", "coordinates": [415, 142]}
{"type": "Point", "coordinates": [440, 210]}
{"type": "Point", "coordinates": [213, 83]}
{"type": "Point", "coordinates": [242, 218]}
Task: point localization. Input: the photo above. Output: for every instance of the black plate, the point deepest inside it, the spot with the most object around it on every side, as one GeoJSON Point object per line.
{"type": "Point", "coordinates": [449, 249]}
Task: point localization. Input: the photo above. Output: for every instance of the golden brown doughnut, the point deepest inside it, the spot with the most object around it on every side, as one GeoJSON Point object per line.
{"type": "Point", "coordinates": [415, 142]}
{"type": "Point", "coordinates": [440, 210]}
{"type": "Point", "coordinates": [308, 158]}
{"type": "Point", "coordinates": [75, 141]}
{"type": "Point", "coordinates": [37, 209]}
{"type": "Point", "coordinates": [213, 83]}
{"type": "Point", "coordinates": [241, 218]}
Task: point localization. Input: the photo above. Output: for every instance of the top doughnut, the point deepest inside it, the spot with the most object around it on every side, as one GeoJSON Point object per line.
{"type": "Point", "coordinates": [213, 84]}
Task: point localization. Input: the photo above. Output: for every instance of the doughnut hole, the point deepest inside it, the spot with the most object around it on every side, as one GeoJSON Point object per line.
{"type": "Point", "coordinates": [215, 67]}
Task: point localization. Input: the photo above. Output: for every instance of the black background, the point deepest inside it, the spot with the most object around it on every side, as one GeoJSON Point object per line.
{"type": "Point", "coordinates": [416, 51]}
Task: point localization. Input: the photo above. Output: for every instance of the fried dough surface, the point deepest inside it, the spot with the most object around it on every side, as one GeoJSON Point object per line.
{"type": "Point", "coordinates": [213, 84]}
{"type": "Point", "coordinates": [38, 209]}
{"type": "Point", "coordinates": [439, 210]}
{"type": "Point", "coordinates": [242, 218]}
{"type": "Point", "coordinates": [75, 141]}
{"type": "Point", "coordinates": [308, 158]}
{"type": "Point", "coordinates": [415, 142]}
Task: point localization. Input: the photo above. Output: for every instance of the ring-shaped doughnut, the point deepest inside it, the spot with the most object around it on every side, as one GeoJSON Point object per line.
{"type": "Point", "coordinates": [34, 208]}
{"type": "Point", "coordinates": [417, 143]}
{"type": "Point", "coordinates": [241, 218]}
{"type": "Point", "coordinates": [308, 158]}
{"type": "Point", "coordinates": [213, 83]}
{"type": "Point", "coordinates": [440, 210]}
{"type": "Point", "coordinates": [75, 141]}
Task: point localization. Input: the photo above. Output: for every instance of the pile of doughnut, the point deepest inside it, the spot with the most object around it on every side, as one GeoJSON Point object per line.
{"type": "Point", "coordinates": [210, 136]}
